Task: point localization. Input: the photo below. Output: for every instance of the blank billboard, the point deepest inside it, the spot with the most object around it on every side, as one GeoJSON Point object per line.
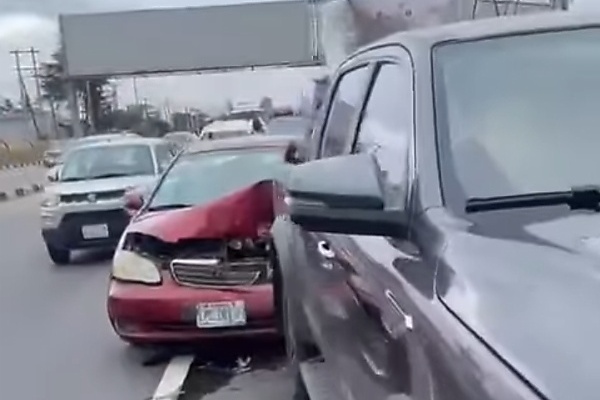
{"type": "Point", "coordinates": [190, 39]}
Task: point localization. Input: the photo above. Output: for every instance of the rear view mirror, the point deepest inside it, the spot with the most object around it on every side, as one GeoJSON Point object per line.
{"type": "Point", "coordinates": [133, 201]}
{"type": "Point", "coordinates": [52, 174]}
{"type": "Point", "coordinates": [342, 195]}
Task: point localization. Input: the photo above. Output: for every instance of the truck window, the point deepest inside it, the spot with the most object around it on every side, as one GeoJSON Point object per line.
{"type": "Point", "coordinates": [343, 111]}
{"type": "Point", "coordinates": [387, 126]}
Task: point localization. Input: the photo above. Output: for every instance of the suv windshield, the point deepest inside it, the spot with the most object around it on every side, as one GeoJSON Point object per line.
{"type": "Point", "coordinates": [199, 178]}
{"type": "Point", "coordinates": [107, 161]}
{"type": "Point", "coordinates": [519, 114]}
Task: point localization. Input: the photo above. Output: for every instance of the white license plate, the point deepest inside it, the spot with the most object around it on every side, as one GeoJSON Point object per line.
{"type": "Point", "coordinates": [221, 314]}
{"type": "Point", "coordinates": [99, 231]}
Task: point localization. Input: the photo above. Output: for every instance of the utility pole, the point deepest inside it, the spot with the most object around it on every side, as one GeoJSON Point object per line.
{"type": "Point", "coordinates": [34, 68]}
{"type": "Point", "coordinates": [25, 99]}
{"type": "Point", "coordinates": [33, 54]}
{"type": "Point", "coordinates": [135, 91]}
{"type": "Point", "coordinates": [17, 55]}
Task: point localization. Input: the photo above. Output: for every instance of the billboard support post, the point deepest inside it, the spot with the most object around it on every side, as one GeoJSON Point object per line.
{"type": "Point", "coordinates": [74, 109]}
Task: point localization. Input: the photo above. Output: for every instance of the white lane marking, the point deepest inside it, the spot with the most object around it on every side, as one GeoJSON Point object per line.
{"type": "Point", "coordinates": [171, 382]}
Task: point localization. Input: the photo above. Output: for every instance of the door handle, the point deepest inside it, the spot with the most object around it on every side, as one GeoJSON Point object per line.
{"type": "Point", "coordinates": [327, 253]}
{"type": "Point", "coordinates": [408, 319]}
{"type": "Point", "coordinates": [325, 250]}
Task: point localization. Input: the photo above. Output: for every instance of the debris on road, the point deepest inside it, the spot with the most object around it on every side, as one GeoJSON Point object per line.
{"type": "Point", "coordinates": [242, 365]}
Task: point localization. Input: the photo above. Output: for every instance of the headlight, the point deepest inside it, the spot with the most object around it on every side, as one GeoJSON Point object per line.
{"type": "Point", "coordinates": [130, 266]}
{"type": "Point", "coordinates": [51, 200]}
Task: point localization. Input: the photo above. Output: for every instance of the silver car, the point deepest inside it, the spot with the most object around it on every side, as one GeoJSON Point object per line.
{"type": "Point", "coordinates": [84, 208]}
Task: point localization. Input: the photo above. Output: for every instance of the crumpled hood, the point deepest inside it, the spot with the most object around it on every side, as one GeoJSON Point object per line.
{"type": "Point", "coordinates": [239, 215]}
{"type": "Point", "coordinates": [534, 299]}
{"type": "Point", "coordinates": [101, 185]}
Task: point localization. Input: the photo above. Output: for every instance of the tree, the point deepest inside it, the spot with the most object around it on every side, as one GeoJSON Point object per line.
{"type": "Point", "coordinates": [90, 92]}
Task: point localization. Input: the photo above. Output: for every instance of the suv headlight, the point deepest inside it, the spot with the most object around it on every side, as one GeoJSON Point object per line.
{"type": "Point", "coordinates": [132, 267]}
{"type": "Point", "coordinates": [51, 200]}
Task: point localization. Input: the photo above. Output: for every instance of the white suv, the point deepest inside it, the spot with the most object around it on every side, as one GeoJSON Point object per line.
{"type": "Point", "coordinates": [84, 207]}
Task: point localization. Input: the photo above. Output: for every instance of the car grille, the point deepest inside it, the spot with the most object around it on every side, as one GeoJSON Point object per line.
{"type": "Point", "coordinates": [214, 272]}
{"type": "Point", "coordinates": [83, 197]}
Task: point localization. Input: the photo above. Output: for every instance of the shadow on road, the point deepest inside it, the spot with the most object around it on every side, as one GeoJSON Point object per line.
{"type": "Point", "coordinates": [90, 258]}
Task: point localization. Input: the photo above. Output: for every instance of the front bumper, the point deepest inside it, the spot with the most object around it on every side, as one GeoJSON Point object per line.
{"type": "Point", "coordinates": [167, 313]}
{"type": "Point", "coordinates": [68, 233]}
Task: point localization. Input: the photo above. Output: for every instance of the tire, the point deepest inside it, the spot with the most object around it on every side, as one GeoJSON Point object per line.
{"type": "Point", "coordinates": [59, 256]}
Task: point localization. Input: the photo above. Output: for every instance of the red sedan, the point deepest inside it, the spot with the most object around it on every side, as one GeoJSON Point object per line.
{"type": "Point", "coordinates": [195, 261]}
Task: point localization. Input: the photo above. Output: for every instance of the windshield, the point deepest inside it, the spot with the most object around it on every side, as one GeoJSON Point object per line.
{"type": "Point", "coordinates": [107, 161]}
{"type": "Point", "coordinates": [509, 121]}
{"type": "Point", "coordinates": [199, 178]}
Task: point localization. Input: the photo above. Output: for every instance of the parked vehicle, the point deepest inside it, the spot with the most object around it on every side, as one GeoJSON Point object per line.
{"type": "Point", "coordinates": [223, 129]}
{"type": "Point", "coordinates": [444, 243]}
{"type": "Point", "coordinates": [180, 139]}
{"type": "Point", "coordinates": [52, 157]}
{"type": "Point", "coordinates": [197, 252]}
{"type": "Point", "coordinates": [84, 208]}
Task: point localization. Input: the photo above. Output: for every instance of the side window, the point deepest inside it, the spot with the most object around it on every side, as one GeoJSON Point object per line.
{"type": "Point", "coordinates": [386, 128]}
{"type": "Point", "coordinates": [164, 155]}
{"type": "Point", "coordinates": [344, 109]}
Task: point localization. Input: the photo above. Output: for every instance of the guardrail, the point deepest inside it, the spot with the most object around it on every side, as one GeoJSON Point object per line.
{"type": "Point", "coordinates": [21, 153]}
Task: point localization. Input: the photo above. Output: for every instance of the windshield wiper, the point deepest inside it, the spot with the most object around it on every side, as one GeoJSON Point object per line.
{"type": "Point", "coordinates": [72, 179]}
{"type": "Point", "coordinates": [169, 207]}
{"type": "Point", "coordinates": [112, 175]}
{"type": "Point", "coordinates": [578, 198]}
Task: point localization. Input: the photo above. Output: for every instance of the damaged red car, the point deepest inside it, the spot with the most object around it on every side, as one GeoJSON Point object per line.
{"type": "Point", "coordinates": [194, 263]}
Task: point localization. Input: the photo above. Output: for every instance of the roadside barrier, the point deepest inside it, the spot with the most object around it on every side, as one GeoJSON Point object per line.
{"type": "Point", "coordinates": [20, 182]}
{"type": "Point", "coordinates": [21, 153]}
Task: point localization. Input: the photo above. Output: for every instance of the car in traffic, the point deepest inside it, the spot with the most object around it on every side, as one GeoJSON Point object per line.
{"type": "Point", "coordinates": [83, 208]}
{"type": "Point", "coordinates": [52, 157]}
{"type": "Point", "coordinates": [230, 128]}
{"type": "Point", "coordinates": [443, 243]}
{"type": "Point", "coordinates": [181, 139]}
{"type": "Point", "coordinates": [195, 261]}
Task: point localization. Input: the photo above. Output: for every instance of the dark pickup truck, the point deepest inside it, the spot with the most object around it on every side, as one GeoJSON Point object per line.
{"type": "Point", "coordinates": [444, 240]}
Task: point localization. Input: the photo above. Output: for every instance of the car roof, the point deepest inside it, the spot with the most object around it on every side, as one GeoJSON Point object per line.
{"type": "Point", "coordinates": [108, 136]}
{"type": "Point", "coordinates": [294, 117]}
{"type": "Point", "coordinates": [229, 125]}
{"type": "Point", "coordinates": [179, 133]}
{"type": "Point", "coordinates": [123, 142]}
{"type": "Point", "coordinates": [243, 142]}
{"type": "Point", "coordinates": [488, 27]}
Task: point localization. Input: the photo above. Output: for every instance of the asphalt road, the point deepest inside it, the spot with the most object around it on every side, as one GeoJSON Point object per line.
{"type": "Point", "coordinates": [55, 341]}
{"type": "Point", "coordinates": [11, 179]}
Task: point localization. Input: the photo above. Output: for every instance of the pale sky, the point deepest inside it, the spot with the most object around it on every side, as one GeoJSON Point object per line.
{"type": "Point", "coordinates": [26, 23]}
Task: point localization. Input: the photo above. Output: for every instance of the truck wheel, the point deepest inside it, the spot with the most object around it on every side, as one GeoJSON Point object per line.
{"type": "Point", "coordinates": [58, 256]}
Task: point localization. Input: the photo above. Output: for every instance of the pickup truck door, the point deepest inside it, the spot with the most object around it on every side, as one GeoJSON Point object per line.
{"type": "Point", "coordinates": [342, 309]}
